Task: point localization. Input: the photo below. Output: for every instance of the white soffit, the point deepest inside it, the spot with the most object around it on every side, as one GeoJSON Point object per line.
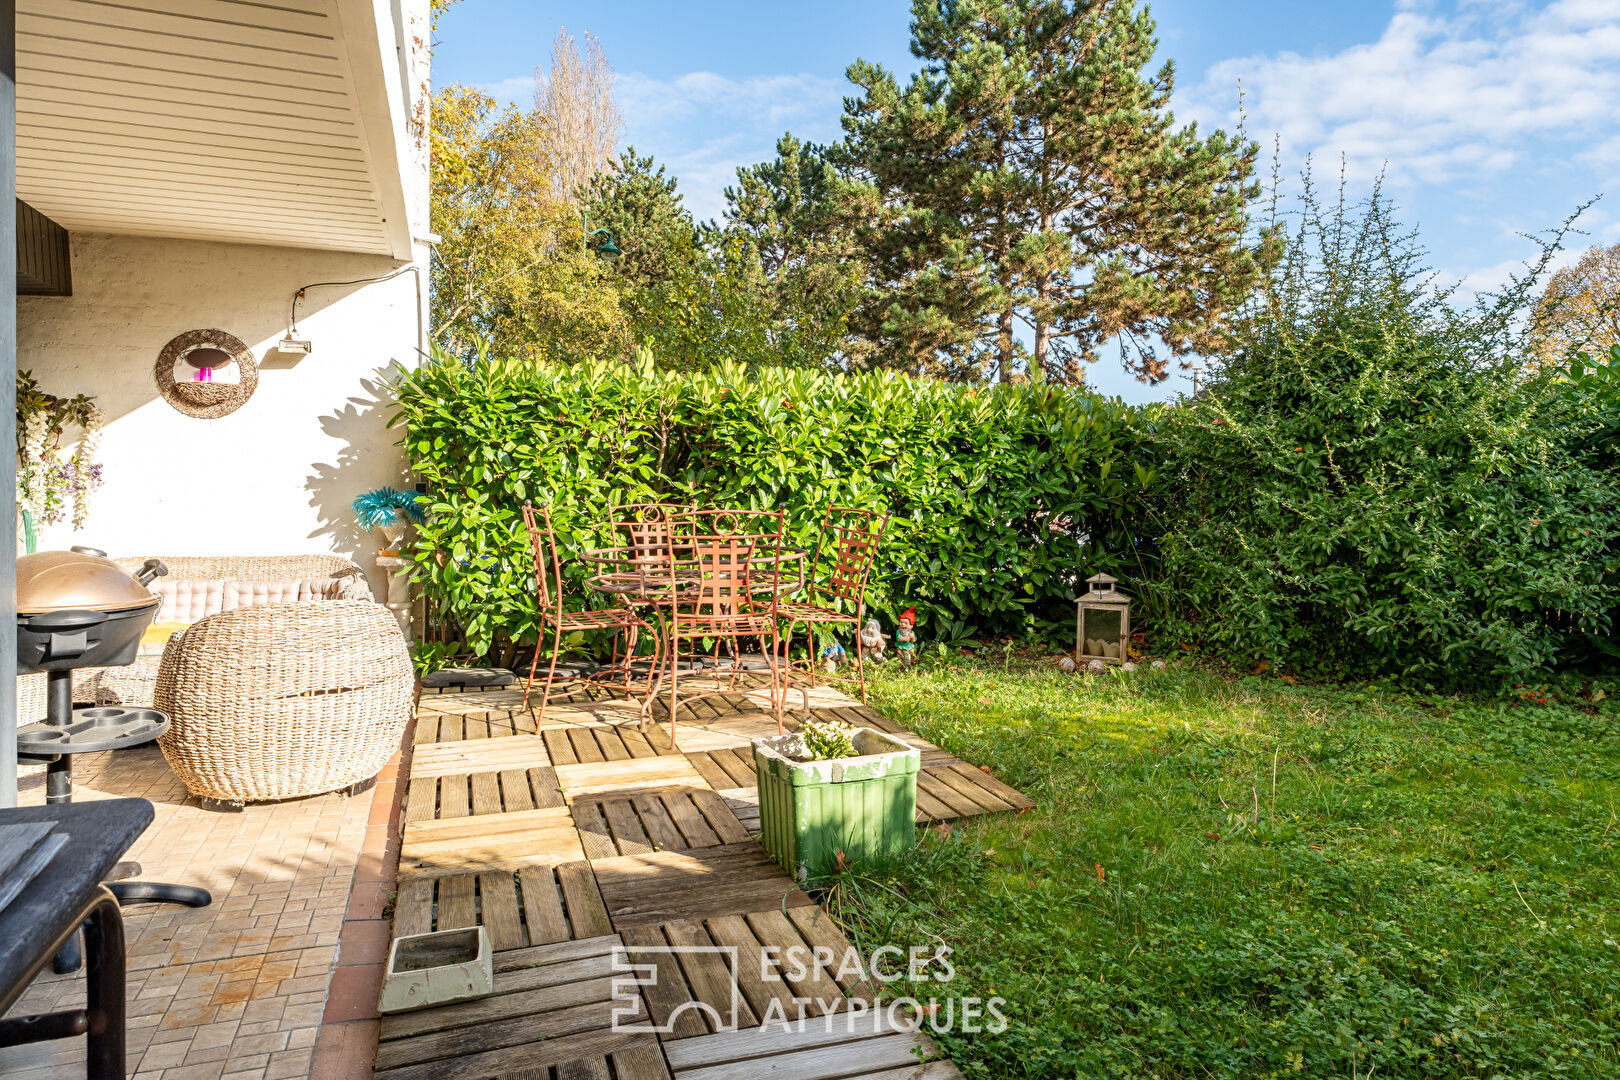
{"type": "Point", "coordinates": [209, 119]}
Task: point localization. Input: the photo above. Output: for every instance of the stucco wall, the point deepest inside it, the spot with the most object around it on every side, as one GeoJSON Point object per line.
{"type": "Point", "coordinates": [277, 475]}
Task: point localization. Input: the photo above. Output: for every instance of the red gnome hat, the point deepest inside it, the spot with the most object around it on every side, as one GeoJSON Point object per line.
{"type": "Point", "coordinates": [910, 613]}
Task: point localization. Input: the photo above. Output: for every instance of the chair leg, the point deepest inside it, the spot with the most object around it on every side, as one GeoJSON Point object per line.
{"type": "Point", "coordinates": [860, 662]}
{"type": "Point", "coordinates": [551, 675]}
{"type": "Point", "coordinates": [778, 679]}
{"type": "Point", "coordinates": [674, 683]}
{"type": "Point", "coordinates": [533, 664]}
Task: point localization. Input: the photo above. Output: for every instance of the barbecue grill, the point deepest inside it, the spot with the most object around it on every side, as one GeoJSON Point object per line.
{"type": "Point", "coordinates": [79, 609]}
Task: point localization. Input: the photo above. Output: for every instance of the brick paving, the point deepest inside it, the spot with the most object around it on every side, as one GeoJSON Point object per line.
{"type": "Point", "coordinates": [239, 989]}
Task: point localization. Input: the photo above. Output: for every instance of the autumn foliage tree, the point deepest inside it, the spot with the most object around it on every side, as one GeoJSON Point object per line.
{"type": "Point", "coordinates": [1580, 309]}
{"type": "Point", "coordinates": [510, 269]}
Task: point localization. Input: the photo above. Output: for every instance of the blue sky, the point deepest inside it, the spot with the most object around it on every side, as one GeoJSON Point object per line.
{"type": "Point", "coordinates": [1489, 118]}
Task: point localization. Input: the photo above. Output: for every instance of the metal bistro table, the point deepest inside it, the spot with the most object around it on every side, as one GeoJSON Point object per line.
{"type": "Point", "coordinates": [66, 894]}
{"type": "Point", "coordinates": [641, 579]}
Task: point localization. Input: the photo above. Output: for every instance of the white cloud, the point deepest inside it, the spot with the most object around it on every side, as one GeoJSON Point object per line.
{"type": "Point", "coordinates": [518, 90]}
{"type": "Point", "coordinates": [704, 126]}
{"type": "Point", "coordinates": [1439, 96]}
{"type": "Point", "coordinates": [771, 100]}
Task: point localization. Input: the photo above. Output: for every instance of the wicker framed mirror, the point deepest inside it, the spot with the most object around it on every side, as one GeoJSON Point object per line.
{"type": "Point", "coordinates": [206, 373]}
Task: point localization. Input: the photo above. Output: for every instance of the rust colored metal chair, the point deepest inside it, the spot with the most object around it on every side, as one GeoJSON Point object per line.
{"type": "Point", "coordinates": [622, 620]}
{"type": "Point", "coordinates": [840, 599]}
{"type": "Point", "coordinates": [720, 557]}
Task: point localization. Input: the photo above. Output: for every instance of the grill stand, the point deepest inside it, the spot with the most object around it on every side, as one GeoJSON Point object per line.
{"type": "Point", "coordinates": [66, 731]}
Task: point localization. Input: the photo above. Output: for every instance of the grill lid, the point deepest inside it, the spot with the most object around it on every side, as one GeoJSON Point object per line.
{"type": "Point", "coordinates": [73, 581]}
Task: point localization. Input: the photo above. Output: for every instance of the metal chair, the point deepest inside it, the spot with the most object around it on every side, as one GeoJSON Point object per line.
{"type": "Point", "coordinates": [721, 581]}
{"type": "Point", "coordinates": [549, 586]}
{"type": "Point", "coordinates": [854, 544]}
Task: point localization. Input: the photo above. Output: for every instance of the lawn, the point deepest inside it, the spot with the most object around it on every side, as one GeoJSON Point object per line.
{"type": "Point", "coordinates": [1247, 878]}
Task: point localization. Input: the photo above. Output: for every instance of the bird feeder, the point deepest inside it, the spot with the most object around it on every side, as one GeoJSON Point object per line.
{"type": "Point", "coordinates": [1103, 622]}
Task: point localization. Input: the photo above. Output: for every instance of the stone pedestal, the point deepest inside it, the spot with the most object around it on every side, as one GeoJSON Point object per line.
{"type": "Point", "coordinates": [398, 599]}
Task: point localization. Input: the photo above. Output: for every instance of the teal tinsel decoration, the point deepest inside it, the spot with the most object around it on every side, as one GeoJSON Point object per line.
{"type": "Point", "coordinates": [384, 507]}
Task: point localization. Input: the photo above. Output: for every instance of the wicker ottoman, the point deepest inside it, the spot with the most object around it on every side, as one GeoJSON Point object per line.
{"type": "Point", "coordinates": [285, 700]}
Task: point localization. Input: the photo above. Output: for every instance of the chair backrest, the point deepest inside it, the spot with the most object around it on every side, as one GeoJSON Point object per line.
{"type": "Point", "coordinates": [854, 540]}
{"type": "Point", "coordinates": [543, 549]}
{"type": "Point", "coordinates": [724, 550]}
{"type": "Point", "coordinates": [645, 529]}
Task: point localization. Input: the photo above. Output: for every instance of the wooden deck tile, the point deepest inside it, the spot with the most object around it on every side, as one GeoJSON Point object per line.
{"type": "Point", "coordinates": [675, 820]}
{"type": "Point", "coordinates": [669, 886]}
{"type": "Point", "coordinates": [491, 842]}
{"type": "Point", "coordinates": [866, 1045]}
{"type": "Point", "coordinates": [555, 1012]}
{"type": "Point", "coordinates": [537, 905]}
{"type": "Point", "coordinates": [621, 778]}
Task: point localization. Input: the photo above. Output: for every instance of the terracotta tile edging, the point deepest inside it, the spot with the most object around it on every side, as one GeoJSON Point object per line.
{"type": "Point", "coordinates": [346, 1047]}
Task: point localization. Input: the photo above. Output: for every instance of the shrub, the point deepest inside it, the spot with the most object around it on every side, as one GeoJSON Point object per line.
{"type": "Point", "coordinates": [1376, 483]}
{"type": "Point", "coordinates": [1001, 497]}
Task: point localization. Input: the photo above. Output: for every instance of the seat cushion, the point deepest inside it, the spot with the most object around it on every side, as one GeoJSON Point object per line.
{"type": "Point", "coordinates": [188, 600]}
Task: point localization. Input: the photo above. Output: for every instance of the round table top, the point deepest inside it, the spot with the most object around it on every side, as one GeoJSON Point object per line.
{"type": "Point", "coordinates": [636, 575]}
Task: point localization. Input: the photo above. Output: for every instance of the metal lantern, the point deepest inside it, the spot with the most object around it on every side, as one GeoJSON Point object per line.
{"type": "Point", "coordinates": [1103, 623]}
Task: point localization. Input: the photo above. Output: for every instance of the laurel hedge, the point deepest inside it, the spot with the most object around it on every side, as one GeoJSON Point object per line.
{"type": "Point", "coordinates": [1001, 498]}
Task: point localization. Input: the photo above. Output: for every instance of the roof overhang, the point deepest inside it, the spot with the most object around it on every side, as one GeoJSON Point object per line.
{"type": "Point", "coordinates": [279, 122]}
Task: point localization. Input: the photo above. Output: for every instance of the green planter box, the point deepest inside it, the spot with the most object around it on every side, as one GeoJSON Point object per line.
{"type": "Point", "coordinates": [809, 811]}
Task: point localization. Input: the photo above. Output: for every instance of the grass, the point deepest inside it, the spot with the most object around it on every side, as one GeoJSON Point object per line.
{"type": "Point", "coordinates": [1246, 878]}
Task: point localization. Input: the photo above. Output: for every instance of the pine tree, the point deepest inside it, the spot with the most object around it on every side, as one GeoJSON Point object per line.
{"type": "Point", "coordinates": [638, 204]}
{"type": "Point", "coordinates": [786, 211]}
{"type": "Point", "coordinates": [1029, 182]}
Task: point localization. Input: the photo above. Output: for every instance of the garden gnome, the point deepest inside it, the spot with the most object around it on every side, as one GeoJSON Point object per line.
{"type": "Point", "coordinates": [905, 637]}
{"type": "Point", "coordinates": [832, 656]}
{"type": "Point", "coordinates": [872, 639]}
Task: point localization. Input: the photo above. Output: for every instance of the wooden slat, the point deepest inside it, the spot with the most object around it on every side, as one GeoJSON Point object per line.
{"type": "Point", "coordinates": [930, 808]}
{"type": "Point", "coordinates": [642, 1062]}
{"type": "Point", "coordinates": [737, 766]}
{"type": "Point", "coordinates": [422, 800]}
{"type": "Point", "coordinates": [457, 902]}
{"type": "Point", "coordinates": [486, 793]}
{"type": "Point", "coordinates": [498, 910]}
{"type": "Point", "coordinates": [611, 745]}
{"type": "Point", "coordinates": [585, 746]}
{"type": "Point", "coordinates": [543, 784]}
{"type": "Point", "coordinates": [848, 968]}
{"type": "Point", "coordinates": [413, 908]}
{"type": "Point", "coordinates": [660, 826]}
{"type": "Point", "coordinates": [595, 838]}
{"type": "Point", "coordinates": [542, 905]}
{"type": "Point", "coordinates": [559, 746]}
{"type": "Point", "coordinates": [501, 1046]}
{"type": "Point", "coordinates": [620, 778]}
{"type": "Point", "coordinates": [587, 913]}
{"type": "Point", "coordinates": [515, 793]}
{"type": "Point", "coordinates": [628, 835]}
{"type": "Point", "coordinates": [960, 805]}
{"type": "Point", "coordinates": [697, 831]}
{"type": "Point", "coordinates": [454, 801]}
{"type": "Point", "coordinates": [476, 755]}
{"type": "Point", "coordinates": [712, 773]}
{"type": "Point", "coordinates": [720, 817]}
